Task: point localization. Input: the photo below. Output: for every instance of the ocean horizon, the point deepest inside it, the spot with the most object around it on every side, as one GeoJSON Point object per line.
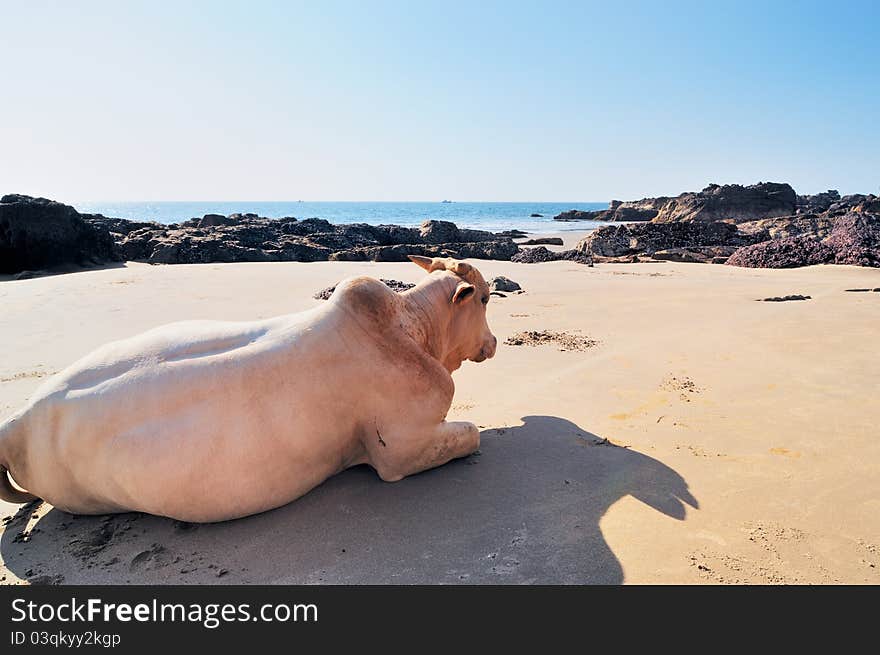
{"type": "Point", "coordinates": [492, 216]}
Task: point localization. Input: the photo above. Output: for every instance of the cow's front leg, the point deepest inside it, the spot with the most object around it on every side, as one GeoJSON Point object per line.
{"type": "Point", "coordinates": [400, 452]}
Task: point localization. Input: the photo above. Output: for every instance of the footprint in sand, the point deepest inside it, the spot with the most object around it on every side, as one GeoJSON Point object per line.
{"type": "Point", "coordinates": [46, 580]}
{"type": "Point", "coordinates": [93, 544]}
{"type": "Point", "coordinates": [156, 557]}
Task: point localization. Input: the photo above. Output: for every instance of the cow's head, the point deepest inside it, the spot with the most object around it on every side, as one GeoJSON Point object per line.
{"type": "Point", "coordinates": [468, 335]}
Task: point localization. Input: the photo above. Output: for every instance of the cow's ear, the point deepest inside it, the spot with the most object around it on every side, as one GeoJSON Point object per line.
{"type": "Point", "coordinates": [422, 262]}
{"type": "Point", "coordinates": [462, 292]}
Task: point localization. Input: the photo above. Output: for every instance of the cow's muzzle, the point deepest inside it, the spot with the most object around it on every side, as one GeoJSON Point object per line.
{"type": "Point", "coordinates": [488, 350]}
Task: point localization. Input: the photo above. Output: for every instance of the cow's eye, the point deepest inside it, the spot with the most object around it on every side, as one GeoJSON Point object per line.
{"type": "Point", "coordinates": [485, 300]}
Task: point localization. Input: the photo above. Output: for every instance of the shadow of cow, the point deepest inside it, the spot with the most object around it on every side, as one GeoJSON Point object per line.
{"type": "Point", "coordinates": [526, 509]}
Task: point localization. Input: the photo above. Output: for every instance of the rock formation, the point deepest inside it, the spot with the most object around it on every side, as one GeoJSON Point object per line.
{"type": "Point", "coordinates": [248, 238]}
{"type": "Point", "coordinates": [854, 238]}
{"type": "Point", "coordinates": [715, 202]}
{"type": "Point", "coordinates": [36, 233]}
{"type": "Point", "coordinates": [764, 225]}
{"type": "Point", "coordinates": [541, 254]}
{"type": "Point", "coordinates": [648, 238]}
{"type": "Point", "coordinates": [817, 203]}
{"type": "Point", "coordinates": [502, 283]}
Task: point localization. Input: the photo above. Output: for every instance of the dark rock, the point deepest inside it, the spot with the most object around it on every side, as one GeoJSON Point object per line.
{"type": "Point", "coordinates": [648, 238]}
{"type": "Point", "coordinates": [292, 251]}
{"type": "Point", "coordinates": [502, 283]}
{"type": "Point", "coordinates": [637, 210]}
{"type": "Point", "coordinates": [512, 234]}
{"type": "Point", "coordinates": [577, 215]}
{"type": "Point", "coordinates": [855, 239]}
{"type": "Point", "coordinates": [815, 225]}
{"type": "Point", "coordinates": [786, 298]}
{"type": "Point", "coordinates": [786, 252]}
{"type": "Point", "coordinates": [696, 255]}
{"type": "Point", "coordinates": [396, 253]}
{"type": "Point", "coordinates": [38, 233]}
{"type": "Point", "coordinates": [203, 250]}
{"type": "Point", "coordinates": [550, 241]}
{"type": "Point", "coordinates": [213, 220]}
{"type": "Point", "coordinates": [578, 257]}
{"type": "Point", "coordinates": [502, 250]}
{"type": "Point", "coordinates": [817, 203]}
{"type": "Point", "coordinates": [856, 202]}
{"type": "Point", "coordinates": [250, 238]}
{"type": "Point", "coordinates": [475, 236]}
{"type": "Point", "coordinates": [303, 228]}
{"type": "Point", "coordinates": [439, 232]}
{"type": "Point", "coordinates": [540, 254]}
{"type": "Point", "coordinates": [870, 205]}
{"type": "Point", "coordinates": [120, 227]}
{"type": "Point", "coordinates": [536, 215]}
{"type": "Point", "coordinates": [582, 215]}
{"type": "Point", "coordinates": [535, 256]}
{"type": "Point", "coordinates": [730, 202]}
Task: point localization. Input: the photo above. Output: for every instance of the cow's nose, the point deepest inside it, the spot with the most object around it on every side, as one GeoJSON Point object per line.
{"type": "Point", "coordinates": [493, 344]}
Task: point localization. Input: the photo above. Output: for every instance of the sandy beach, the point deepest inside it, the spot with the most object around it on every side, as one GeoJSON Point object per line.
{"type": "Point", "coordinates": [685, 434]}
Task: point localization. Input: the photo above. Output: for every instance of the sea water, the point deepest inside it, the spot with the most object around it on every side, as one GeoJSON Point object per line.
{"type": "Point", "coordinates": [492, 216]}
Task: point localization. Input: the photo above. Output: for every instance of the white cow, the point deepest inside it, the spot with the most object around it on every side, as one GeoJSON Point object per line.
{"type": "Point", "coordinates": [207, 421]}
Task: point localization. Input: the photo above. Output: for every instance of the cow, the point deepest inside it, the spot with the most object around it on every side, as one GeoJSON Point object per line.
{"type": "Point", "coordinates": [206, 421]}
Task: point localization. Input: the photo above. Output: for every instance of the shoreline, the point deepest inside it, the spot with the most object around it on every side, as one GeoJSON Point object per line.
{"type": "Point", "coordinates": [44, 233]}
{"type": "Point", "coordinates": [484, 215]}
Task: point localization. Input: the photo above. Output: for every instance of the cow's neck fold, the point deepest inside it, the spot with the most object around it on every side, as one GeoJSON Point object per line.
{"type": "Point", "coordinates": [430, 312]}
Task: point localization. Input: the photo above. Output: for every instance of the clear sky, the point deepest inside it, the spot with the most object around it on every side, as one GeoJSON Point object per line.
{"type": "Point", "coordinates": [373, 100]}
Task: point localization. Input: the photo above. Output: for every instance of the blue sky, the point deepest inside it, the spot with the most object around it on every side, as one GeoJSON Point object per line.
{"type": "Point", "coordinates": [509, 101]}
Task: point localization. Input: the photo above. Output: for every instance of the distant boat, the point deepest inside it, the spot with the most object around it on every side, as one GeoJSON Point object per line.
{"type": "Point", "coordinates": [445, 201]}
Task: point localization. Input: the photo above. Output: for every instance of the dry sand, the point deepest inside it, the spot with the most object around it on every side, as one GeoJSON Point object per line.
{"type": "Point", "coordinates": [704, 438]}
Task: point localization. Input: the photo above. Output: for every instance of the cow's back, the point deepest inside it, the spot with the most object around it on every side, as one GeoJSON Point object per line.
{"type": "Point", "coordinates": [185, 413]}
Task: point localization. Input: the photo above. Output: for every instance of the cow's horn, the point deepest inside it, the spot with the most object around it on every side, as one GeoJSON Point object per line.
{"type": "Point", "coordinates": [459, 268]}
{"type": "Point", "coordinates": [424, 262]}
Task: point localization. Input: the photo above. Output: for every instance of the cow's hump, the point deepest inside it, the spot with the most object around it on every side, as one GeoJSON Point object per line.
{"type": "Point", "coordinates": [370, 300]}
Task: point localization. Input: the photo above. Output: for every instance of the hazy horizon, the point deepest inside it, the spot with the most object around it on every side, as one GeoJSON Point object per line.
{"type": "Point", "coordinates": [401, 102]}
